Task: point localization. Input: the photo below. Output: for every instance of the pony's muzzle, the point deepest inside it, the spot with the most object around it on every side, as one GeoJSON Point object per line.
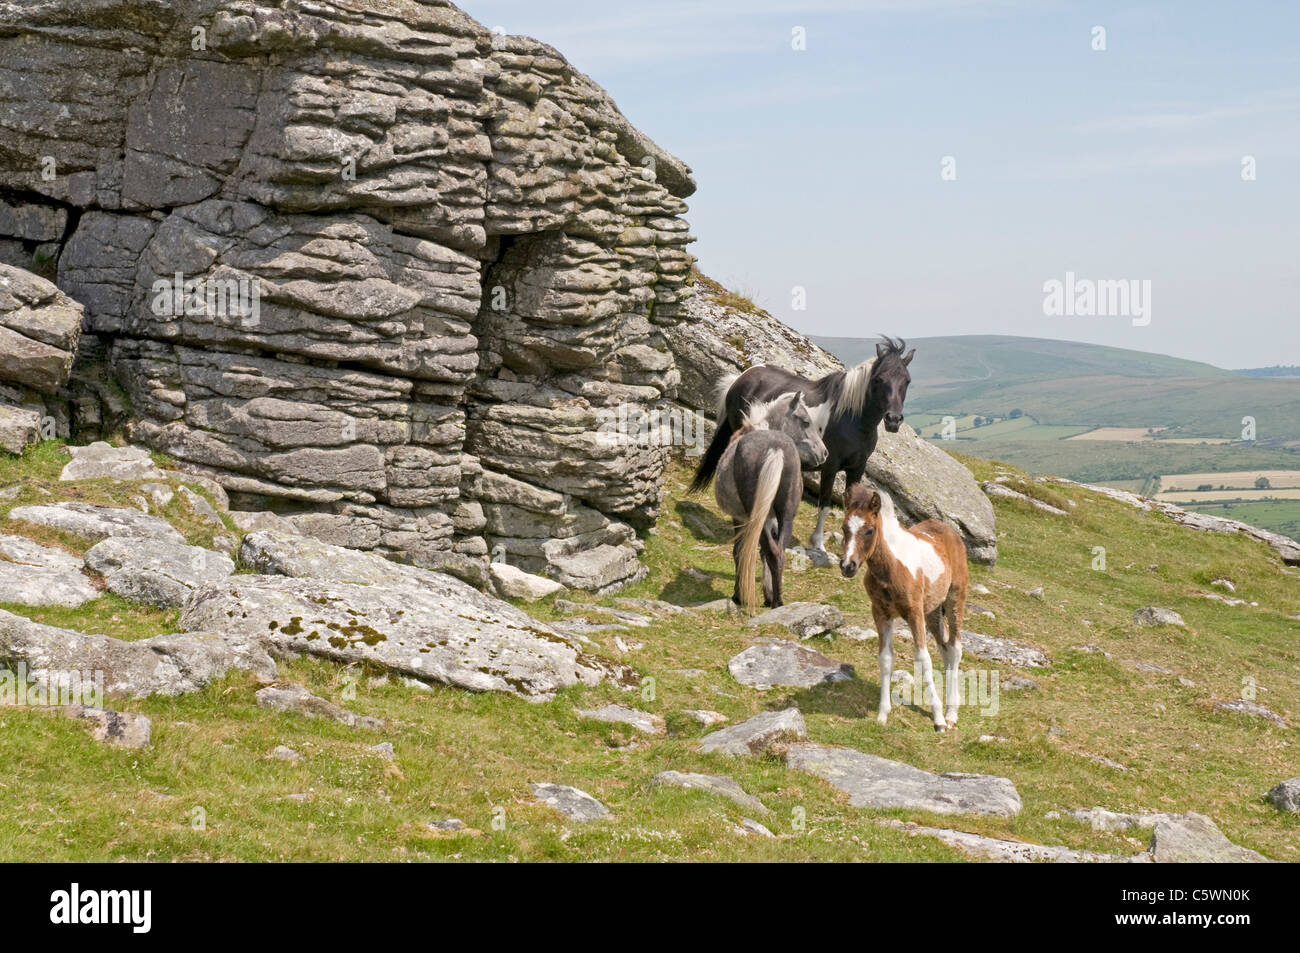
{"type": "Point", "coordinates": [893, 422]}
{"type": "Point", "coordinates": [848, 568]}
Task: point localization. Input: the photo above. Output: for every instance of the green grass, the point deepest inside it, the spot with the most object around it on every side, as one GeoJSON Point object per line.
{"type": "Point", "coordinates": [64, 797]}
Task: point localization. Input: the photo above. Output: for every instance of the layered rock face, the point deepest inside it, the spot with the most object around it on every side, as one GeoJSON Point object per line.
{"type": "Point", "coordinates": [367, 265]}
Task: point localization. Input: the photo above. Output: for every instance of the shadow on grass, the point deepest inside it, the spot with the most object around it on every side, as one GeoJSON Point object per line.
{"type": "Point", "coordinates": [703, 523]}
{"type": "Point", "coordinates": [686, 589]}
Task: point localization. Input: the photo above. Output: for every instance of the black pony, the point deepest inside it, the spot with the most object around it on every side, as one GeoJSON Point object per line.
{"type": "Point", "coordinates": [847, 406]}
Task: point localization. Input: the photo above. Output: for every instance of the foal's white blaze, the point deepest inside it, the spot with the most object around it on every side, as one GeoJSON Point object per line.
{"type": "Point", "coordinates": [915, 553]}
{"type": "Point", "coordinates": [851, 543]}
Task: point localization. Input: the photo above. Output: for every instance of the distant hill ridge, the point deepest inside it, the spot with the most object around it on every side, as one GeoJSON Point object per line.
{"type": "Point", "coordinates": [1074, 384]}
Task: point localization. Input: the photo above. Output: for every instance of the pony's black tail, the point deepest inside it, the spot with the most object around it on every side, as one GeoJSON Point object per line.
{"type": "Point", "coordinates": [709, 465]}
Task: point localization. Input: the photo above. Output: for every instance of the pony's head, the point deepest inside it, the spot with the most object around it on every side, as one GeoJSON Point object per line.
{"type": "Point", "coordinates": [889, 379]}
{"type": "Point", "coordinates": [789, 414]}
{"type": "Point", "coordinates": [862, 527]}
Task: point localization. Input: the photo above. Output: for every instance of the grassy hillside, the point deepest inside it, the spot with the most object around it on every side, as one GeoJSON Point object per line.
{"type": "Point", "coordinates": [1064, 383]}
{"type": "Point", "coordinates": [208, 789]}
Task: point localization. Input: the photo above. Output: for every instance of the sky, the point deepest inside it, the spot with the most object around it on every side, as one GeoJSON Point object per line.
{"type": "Point", "coordinates": [929, 167]}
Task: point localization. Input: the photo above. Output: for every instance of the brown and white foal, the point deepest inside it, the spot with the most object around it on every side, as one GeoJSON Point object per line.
{"type": "Point", "coordinates": [917, 574]}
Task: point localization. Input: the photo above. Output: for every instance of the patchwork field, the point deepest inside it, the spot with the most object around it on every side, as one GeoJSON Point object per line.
{"type": "Point", "coordinates": [1124, 718]}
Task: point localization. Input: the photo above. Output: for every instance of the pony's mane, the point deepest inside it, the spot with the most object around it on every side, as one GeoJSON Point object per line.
{"type": "Point", "coordinates": [757, 414]}
{"type": "Point", "coordinates": [853, 388]}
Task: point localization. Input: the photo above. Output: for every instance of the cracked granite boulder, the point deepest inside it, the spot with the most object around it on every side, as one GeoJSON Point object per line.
{"type": "Point", "coordinates": [40, 327]}
{"type": "Point", "coordinates": [355, 262]}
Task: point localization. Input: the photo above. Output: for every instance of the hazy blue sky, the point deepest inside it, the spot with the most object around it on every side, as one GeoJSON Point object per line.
{"type": "Point", "coordinates": [820, 168]}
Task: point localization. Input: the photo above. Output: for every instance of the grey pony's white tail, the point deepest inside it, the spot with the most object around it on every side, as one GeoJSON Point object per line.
{"type": "Point", "coordinates": [769, 482]}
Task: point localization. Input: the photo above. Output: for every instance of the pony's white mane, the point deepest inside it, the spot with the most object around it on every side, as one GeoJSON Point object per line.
{"type": "Point", "coordinates": [853, 389]}
{"type": "Point", "coordinates": [917, 554]}
{"type": "Point", "coordinates": [758, 414]}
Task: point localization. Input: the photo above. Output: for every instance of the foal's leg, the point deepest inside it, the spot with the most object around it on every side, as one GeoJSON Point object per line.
{"type": "Point", "coordinates": [952, 658]}
{"type": "Point", "coordinates": [917, 624]}
{"type": "Point", "coordinates": [884, 627]}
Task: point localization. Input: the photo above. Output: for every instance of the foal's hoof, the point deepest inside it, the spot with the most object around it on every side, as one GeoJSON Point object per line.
{"type": "Point", "coordinates": [940, 727]}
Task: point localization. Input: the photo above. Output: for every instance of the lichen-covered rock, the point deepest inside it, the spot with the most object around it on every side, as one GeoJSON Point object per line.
{"type": "Point", "coordinates": [757, 734]}
{"type": "Point", "coordinates": [435, 629]}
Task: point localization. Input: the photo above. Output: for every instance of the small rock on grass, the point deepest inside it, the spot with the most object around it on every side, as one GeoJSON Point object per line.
{"type": "Point", "coordinates": [573, 803]}
{"type": "Point", "coordinates": [779, 662]}
{"type": "Point", "coordinates": [295, 698]}
{"type": "Point", "coordinates": [1253, 709]}
{"type": "Point", "coordinates": [705, 717]}
{"type": "Point", "coordinates": [125, 729]}
{"type": "Point", "coordinates": [385, 750]}
{"type": "Point", "coordinates": [101, 460]}
{"type": "Point", "coordinates": [96, 522]}
{"type": "Point", "coordinates": [1154, 615]}
{"type": "Point", "coordinates": [750, 827]}
{"type": "Point", "coordinates": [804, 619]}
{"type": "Point", "coordinates": [756, 735]}
{"type": "Point", "coordinates": [1286, 795]}
{"type": "Point", "coordinates": [718, 784]}
{"type": "Point", "coordinates": [619, 715]}
{"type": "Point", "coordinates": [1017, 683]}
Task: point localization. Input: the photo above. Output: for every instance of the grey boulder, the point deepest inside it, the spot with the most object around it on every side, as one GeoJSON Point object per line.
{"type": "Point", "coordinates": [162, 665]}
{"type": "Point", "coordinates": [1286, 795]}
{"type": "Point", "coordinates": [804, 619]}
{"type": "Point", "coordinates": [36, 575]}
{"type": "Point", "coordinates": [871, 781]}
{"type": "Point", "coordinates": [619, 715]}
{"type": "Point", "coordinates": [101, 460]}
{"type": "Point", "coordinates": [1195, 839]}
{"type": "Point", "coordinates": [575, 804]}
{"type": "Point", "coordinates": [96, 522]}
{"type": "Point", "coordinates": [755, 735]}
{"type": "Point", "coordinates": [156, 571]}
{"type": "Point", "coordinates": [436, 630]}
{"type": "Point", "coordinates": [124, 729]}
{"type": "Point", "coordinates": [778, 662]}
{"type": "Point", "coordinates": [1154, 615]}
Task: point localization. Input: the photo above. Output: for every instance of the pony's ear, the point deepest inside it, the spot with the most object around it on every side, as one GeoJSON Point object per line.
{"type": "Point", "coordinates": [873, 503]}
{"type": "Point", "coordinates": [910, 354]}
{"type": "Point", "coordinates": [797, 402]}
{"type": "Point", "coordinates": [880, 350]}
